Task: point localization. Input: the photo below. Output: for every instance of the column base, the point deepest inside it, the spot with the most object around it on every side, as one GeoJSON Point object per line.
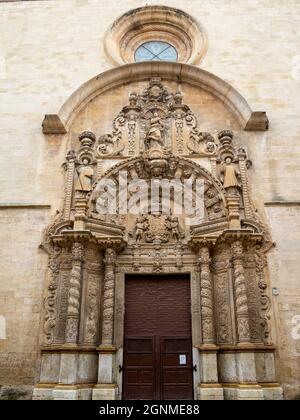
{"type": "Point", "coordinates": [72, 392]}
{"type": "Point", "coordinates": [272, 392]}
{"type": "Point", "coordinates": [63, 392]}
{"type": "Point", "coordinates": [43, 393]}
{"type": "Point", "coordinates": [105, 392]}
{"type": "Point", "coordinates": [243, 392]}
{"type": "Point", "coordinates": [210, 392]}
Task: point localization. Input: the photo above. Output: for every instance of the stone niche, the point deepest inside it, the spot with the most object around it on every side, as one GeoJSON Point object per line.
{"type": "Point", "coordinates": [156, 128]}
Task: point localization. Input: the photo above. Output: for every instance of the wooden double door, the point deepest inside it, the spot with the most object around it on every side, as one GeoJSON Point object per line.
{"type": "Point", "coordinates": [158, 339]}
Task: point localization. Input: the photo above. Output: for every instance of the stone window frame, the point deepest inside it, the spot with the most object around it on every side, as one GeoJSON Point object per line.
{"type": "Point", "coordinates": [156, 23]}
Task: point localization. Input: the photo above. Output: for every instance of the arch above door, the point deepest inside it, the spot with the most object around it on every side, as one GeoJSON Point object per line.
{"type": "Point", "coordinates": [248, 119]}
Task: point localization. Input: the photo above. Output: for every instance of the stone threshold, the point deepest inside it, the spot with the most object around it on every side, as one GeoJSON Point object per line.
{"type": "Point", "coordinates": [282, 203]}
{"type": "Point", "coordinates": [24, 206]}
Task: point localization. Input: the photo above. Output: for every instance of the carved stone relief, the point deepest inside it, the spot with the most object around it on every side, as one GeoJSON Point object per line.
{"type": "Point", "coordinates": [156, 137]}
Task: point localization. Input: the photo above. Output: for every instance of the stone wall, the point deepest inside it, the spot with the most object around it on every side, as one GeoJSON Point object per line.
{"type": "Point", "coordinates": [47, 50]}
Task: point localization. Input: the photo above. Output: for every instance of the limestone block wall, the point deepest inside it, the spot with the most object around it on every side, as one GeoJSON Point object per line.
{"type": "Point", "coordinates": [47, 50]}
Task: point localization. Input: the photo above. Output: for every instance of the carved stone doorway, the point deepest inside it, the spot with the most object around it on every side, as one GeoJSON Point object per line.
{"type": "Point", "coordinates": [158, 338]}
{"type": "Point", "coordinates": [99, 237]}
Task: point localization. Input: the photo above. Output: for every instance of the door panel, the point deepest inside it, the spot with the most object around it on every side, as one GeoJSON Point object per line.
{"type": "Point", "coordinates": [157, 345]}
{"type": "Point", "coordinates": [139, 372]}
{"type": "Point", "coordinates": [177, 374]}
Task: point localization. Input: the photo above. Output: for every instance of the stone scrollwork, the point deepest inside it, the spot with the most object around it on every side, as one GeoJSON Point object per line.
{"type": "Point", "coordinates": [265, 301]}
{"type": "Point", "coordinates": [50, 300]}
{"type": "Point", "coordinates": [200, 143]}
{"type": "Point", "coordinates": [155, 118]}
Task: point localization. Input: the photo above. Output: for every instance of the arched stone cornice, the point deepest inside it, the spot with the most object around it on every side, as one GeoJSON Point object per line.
{"type": "Point", "coordinates": [197, 170]}
{"type": "Point", "coordinates": [232, 99]}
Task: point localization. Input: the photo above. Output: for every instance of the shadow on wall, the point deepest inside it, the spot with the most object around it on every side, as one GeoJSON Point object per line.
{"type": "Point", "coordinates": [2, 328]}
{"type": "Point", "coordinates": [10, 393]}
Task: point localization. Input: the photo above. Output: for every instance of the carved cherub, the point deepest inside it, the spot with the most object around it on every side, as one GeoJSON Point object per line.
{"type": "Point", "coordinates": [178, 98]}
{"type": "Point", "coordinates": [172, 224]}
{"type": "Point", "coordinates": [173, 164]}
{"type": "Point", "coordinates": [141, 227]}
{"type": "Point", "coordinates": [139, 169]}
{"type": "Point", "coordinates": [133, 98]}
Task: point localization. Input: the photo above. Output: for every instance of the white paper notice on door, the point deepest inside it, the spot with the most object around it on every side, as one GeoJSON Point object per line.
{"type": "Point", "coordinates": [182, 359]}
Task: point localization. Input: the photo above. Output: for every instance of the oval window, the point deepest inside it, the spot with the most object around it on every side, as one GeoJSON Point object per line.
{"type": "Point", "coordinates": [156, 51]}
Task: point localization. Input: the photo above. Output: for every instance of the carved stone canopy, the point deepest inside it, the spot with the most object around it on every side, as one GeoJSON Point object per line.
{"type": "Point", "coordinates": [159, 117]}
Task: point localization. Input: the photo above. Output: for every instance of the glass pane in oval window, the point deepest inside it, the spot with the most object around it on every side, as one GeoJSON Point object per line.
{"type": "Point", "coordinates": [156, 51]}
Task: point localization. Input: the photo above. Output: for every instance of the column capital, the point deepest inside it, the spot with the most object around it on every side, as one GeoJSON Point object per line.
{"type": "Point", "coordinates": [201, 242]}
{"type": "Point", "coordinates": [117, 244]}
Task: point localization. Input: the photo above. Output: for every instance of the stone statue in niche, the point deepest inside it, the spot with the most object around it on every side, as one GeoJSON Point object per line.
{"type": "Point", "coordinates": [154, 136]}
{"type": "Point", "coordinates": [85, 177]}
{"type": "Point", "coordinates": [230, 175]}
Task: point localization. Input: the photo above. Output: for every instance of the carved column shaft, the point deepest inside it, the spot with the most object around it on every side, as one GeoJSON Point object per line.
{"type": "Point", "coordinates": [108, 297]}
{"type": "Point", "coordinates": [233, 206]}
{"type": "Point", "coordinates": [245, 188]}
{"type": "Point", "coordinates": [206, 293]}
{"type": "Point", "coordinates": [73, 310]}
{"type": "Point", "coordinates": [69, 185]}
{"type": "Point", "coordinates": [99, 171]}
{"type": "Point", "coordinates": [80, 213]}
{"type": "Point", "coordinates": [213, 162]}
{"type": "Point", "coordinates": [241, 301]}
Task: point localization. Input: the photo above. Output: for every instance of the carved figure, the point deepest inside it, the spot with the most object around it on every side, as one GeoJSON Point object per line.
{"type": "Point", "coordinates": [85, 177]}
{"type": "Point", "coordinates": [142, 226]}
{"type": "Point", "coordinates": [230, 174]}
{"type": "Point", "coordinates": [172, 224]}
{"type": "Point", "coordinates": [154, 136]}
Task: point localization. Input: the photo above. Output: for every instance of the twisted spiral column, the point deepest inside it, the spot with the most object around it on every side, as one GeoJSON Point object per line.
{"type": "Point", "coordinates": [74, 293]}
{"type": "Point", "coordinates": [241, 300]}
{"type": "Point", "coordinates": [108, 298]}
{"type": "Point", "coordinates": [206, 293]}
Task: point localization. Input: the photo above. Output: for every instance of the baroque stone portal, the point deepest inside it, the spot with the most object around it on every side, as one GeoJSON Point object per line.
{"type": "Point", "coordinates": [93, 243]}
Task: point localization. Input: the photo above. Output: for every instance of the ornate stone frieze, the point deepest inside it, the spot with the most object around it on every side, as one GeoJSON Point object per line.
{"type": "Point", "coordinates": [62, 306]}
{"type": "Point", "coordinates": [92, 286]}
{"type": "Point", "coordinates": [222, 303]}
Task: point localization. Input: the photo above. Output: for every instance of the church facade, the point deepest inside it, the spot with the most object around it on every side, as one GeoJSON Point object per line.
{"type": "Point", "coordinates": [152, 233]}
